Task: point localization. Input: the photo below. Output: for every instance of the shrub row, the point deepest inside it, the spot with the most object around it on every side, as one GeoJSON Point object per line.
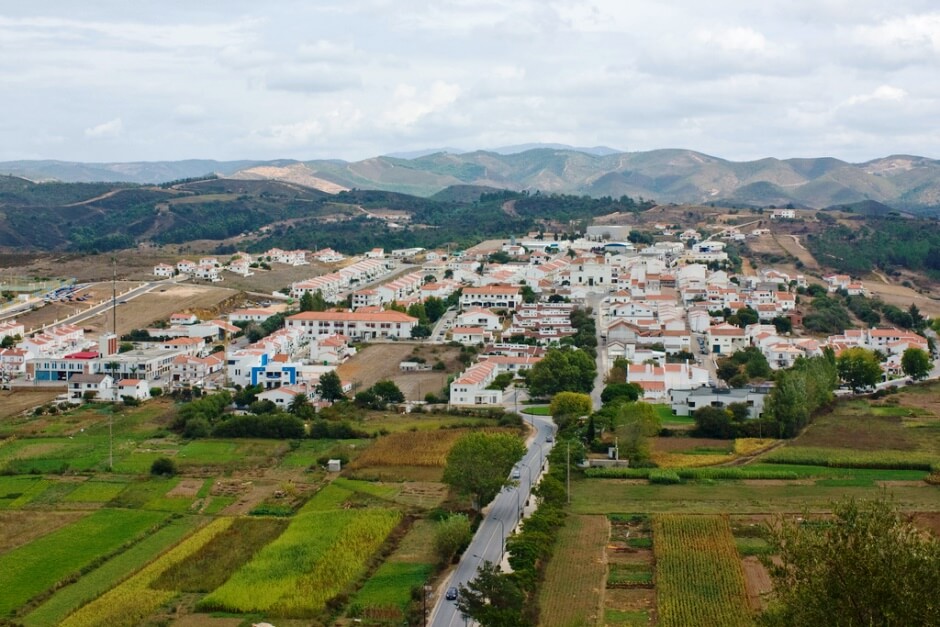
{"type": "Point", "coordinates": [665, 476]}
{"type": "Point", "coordinates": [838, 458]}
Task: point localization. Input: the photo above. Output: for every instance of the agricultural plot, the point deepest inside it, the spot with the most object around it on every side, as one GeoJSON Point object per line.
{"type": "Point", "coordinates": [411, 448]}
{"type": "Point", "coordinates": [319, 555]}
{"type": "Point", "coordinates": [31, 570]}
{"type": "Point", "coordinates": [699, 580]}
{"type": "Point", "coordinates": [135, 599]}
{"type": "Point", "coordinates": [22, 527]}
{"type": "Point", "coordinates": [97, 582]}
{"type": "Point", "coordinates": [386, 595]}
{"type": "Point", "coordinates": [574, 578]}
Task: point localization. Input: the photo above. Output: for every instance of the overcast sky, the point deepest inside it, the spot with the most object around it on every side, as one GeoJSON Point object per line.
{"type": "Point", "coordinates": [120, 81]}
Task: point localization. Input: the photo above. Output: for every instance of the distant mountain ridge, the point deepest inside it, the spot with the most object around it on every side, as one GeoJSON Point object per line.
{"type": "Point", "coordinates": [669, 175]}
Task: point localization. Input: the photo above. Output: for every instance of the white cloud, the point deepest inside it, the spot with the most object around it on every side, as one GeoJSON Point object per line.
{"type": "Point", "coordinates": [410, 105]}
{"type": "Point", "coordinates": [189, 113]}
{"type": "Point", "coordinates": [106, 130]}
{"type": "Point", "coordinates": [884, 93]}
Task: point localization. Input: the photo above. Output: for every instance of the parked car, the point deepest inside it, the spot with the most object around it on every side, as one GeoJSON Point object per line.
{"type": "Point", "coordinates": [451, 594]}
{"type": "Point", "coordinates": [516, 473]}
{"type": "Point", "coordinates": [549, 438]}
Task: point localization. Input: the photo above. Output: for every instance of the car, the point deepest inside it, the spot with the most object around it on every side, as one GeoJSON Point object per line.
{"type": "Point", "coordinates": [451, 594]}
{"type": "Point", "coordinates": [549, 439]}
{"type": "Point", "coordinates": [516, 473]}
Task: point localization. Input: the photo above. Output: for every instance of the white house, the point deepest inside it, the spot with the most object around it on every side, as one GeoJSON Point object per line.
{"type": "Point", "coordinates": [100, 384]}
{"type": "Point", "coordinates": [658, 381]}
{"type": "Point", "coordinates": [470, 335]}
{"type": "Point", "coordinates": [783, 214]}
{"type": "Point", "coordinates": [479, 317]}
{"type": "Point", "coordinates": [686, 401]}
{"type": "Point", "coordinates": [186, 266]}
{"type": "Point", "coordinates": [137, 389]}
{"type": "Point", "coordinates": [163, 270]}
{"type": "Point", "coordinates": [358, 325]}
{"type": "Point", "coordinates": [250, 315]}
{"type": "Point", "coordinates": [470, 387]}
{"type": "Point", "coordinates": [725, 339]}
{"type": "Point", "coordinates": [491, 297]}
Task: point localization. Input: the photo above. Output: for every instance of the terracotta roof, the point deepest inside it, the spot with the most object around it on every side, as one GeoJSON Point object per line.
{"type": "Point", "coordinates": [354, 316]}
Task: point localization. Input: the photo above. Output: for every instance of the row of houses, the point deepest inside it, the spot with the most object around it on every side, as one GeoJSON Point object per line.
{"type": "Point", "coordinates": [330, 285]}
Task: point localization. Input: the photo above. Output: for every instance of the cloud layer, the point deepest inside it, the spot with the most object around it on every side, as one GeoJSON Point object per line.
{"type": "Point", "coordinates": [854, 79]}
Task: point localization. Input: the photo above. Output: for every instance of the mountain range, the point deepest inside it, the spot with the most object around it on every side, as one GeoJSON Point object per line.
{"type": "Point", "coordinates": [670, 175]}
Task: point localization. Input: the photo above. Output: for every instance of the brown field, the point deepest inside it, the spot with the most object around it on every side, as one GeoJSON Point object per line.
{"type": "Point", "coordinates": [381, 361]}
{"type": "Point", "coordinates": [146, 309]}
{"type": "Point", "coordinates": [16, 401]}
{"type": "Point", "coordinates": [572, 593]}
{"type": "Point", "coordinates": [267, 281]}
{"type": "Point", "coordinates": [902, 297]}
{"type": "Point", "coordinates": [757, 581]}
{"type": "Point", "coordinates": [867, 433]}
{"type": "Point", "coordinates": [21, 527]}
{"type": "Point", "coordinates": [792, 245]}
{"type": "Point", "coordinates": [410, 448]}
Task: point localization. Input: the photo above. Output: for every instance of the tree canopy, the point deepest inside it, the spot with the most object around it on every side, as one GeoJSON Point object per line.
{"type": "Point", "coordinates": [330, 387]}
{"type": "Point", "coordinates": [479, 463]}
{"type": "Point", "coordinates": [915, 363]}
{"type": "Point", "coordinates": [562, 370]}
{"type": "Point", "coordinates": [865, 566]}
{"type": "Point", "coordinates": [859, 367]}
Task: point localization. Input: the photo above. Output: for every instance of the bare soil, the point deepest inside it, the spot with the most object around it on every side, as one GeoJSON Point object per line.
{"type": "Point", "coordinates": [205, 301]}
{"type": "Point", "coordinates": [186, 488]}
{"type": "Point", "coordinates": [757, 582]}
{"type": "Point", "coordinates": [17, 401]}
{"type": "Point", "coordinates": [381, 361]}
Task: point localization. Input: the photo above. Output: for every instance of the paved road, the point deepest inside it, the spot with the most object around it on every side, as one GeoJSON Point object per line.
{"type": "Point", "coordinates": [105, 306]}
{"type": "Point", "coordinates": [503, 514]}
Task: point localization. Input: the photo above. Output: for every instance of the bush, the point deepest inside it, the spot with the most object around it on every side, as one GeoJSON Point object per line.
{"type": "Point", "coordinates": [277, 426]}
{"type": "Point", "coordinates": [196, 428]}
{"type": "Point", "coordinates": [163, 467]}
{"type": "Point", "coordinates": [664, 477]}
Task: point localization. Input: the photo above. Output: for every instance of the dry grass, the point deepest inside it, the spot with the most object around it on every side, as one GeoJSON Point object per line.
{"type": "Point", "coordinates": [410, 448]}
{"type": "Point", "coordinates": [574, 578]}
{"type": "Point", "coordinates": [16, 401]}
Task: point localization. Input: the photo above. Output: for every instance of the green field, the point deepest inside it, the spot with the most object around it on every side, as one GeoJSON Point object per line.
{"type": "Point", "coordinates": [32, 569]}
{"type": "Point", "coordinates": [103, 578]}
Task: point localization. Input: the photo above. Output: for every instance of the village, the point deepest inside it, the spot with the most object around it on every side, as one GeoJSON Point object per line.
{"type": "Point", "coordinates": [666, 308]}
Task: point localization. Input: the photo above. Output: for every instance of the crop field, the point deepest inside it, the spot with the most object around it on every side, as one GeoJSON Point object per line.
{"type": "Point", "coordinates": [699, 580]}
{"type": "Point", "coordinates": [211, 565]}
{"type": "Point", "coordinates": [103, 578]}
{"type": "Point", "coordinates": [21, 527]}
{"type": "Point", "coordinates": [387, 593]}
{"type": "Point", "coordinates": [574, 578]}
{"type": "Point", "coordinates": [135, 599]}
{"type": "Point", "coordinates": [316, 558]}
{"type": "Point", "coordinates": [410, 448]}
{"type": "Point", "coordinates": [31, 570]}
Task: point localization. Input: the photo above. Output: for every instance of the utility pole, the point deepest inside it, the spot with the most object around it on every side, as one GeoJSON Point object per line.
{"type": "Point", "coordinates": [568, 479]}
{"type": "Point", "coordinates": [114, 296]}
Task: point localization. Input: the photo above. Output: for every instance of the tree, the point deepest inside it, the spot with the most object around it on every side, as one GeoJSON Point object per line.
{"type": "Point", "coordinates": [330, 387]}
{"type": "Point", "coordinates": [528, 294]}
{"type": "Point", "coordinates": [434, 307]}
{"type": "Point", "coordinates": [859, 368]}
{"type": "Point", "coordinates": [451, 535]}
{"type": "Point", "coordinates": [865, 566]}
{"type": "Point", "coordinates": [621, 391]}
{"type": "Point", "coordinates": [571, 404]}
{"type": "Point", "coordinates": [300, 406]}
{"type": "Point", "coordinates": [388, 392]}
{"type": "Point", "coordinates": [306, 302]}
{"type": "Point", "coordinates": [163, 466]}
{"type": "Point", "coordinates": [915, 363]}
{"type": "Point", "coordinates": [562, 370]}
{"type": "Point", "coordinates": [634, 424]}
{"type": "Point", "coordinates": [493, 598]}
{"type": "Point", "coordinates": [479, 463]}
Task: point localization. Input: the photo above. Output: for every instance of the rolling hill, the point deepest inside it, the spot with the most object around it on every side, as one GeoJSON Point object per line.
{"type": "Point", "coordinates": [680, 176]}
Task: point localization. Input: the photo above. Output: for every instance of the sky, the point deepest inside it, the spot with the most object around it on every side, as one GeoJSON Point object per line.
{"type": "Point", "coordinates": [112, 80]}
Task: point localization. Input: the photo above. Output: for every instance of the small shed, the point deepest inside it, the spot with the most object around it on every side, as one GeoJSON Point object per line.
{"type": "Point", "coordinates": [334, 465]}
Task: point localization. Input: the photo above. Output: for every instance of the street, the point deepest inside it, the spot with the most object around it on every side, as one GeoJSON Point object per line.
{"type": "Point", "coordinates": [501, 517]}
